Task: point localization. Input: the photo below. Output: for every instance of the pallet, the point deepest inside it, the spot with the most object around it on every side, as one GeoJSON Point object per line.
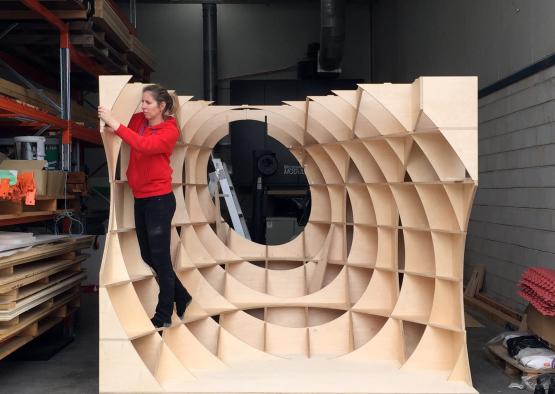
{"type": "Point", "coordinates": [497, 312]}
{"type": "Point", "coordinates": [41, 252]}
{"type": "Point", "coordinates": [44, 297]}
{"type": "Point", "coordinates": [500, 356]}
{"type": "Point", "coordinates": [35, 278]}
{"type": "Point", "coordinates": [37, 323]}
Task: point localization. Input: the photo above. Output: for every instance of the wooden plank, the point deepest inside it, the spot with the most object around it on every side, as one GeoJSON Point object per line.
{"type": "Point", "coordinates": [79, 113]}
{"type": "Point", "coordinates": [49, 250]}
{"type": "Point", "coordinates": [41, 326]}
{"type": "Point", "coordinates": [492, 312]}
{"type": "Point", "coordinates": [30, 275]}
{"type": "Point", "coordinates": [34, 315]}
{"type": "Point", "coordinates": [40, 298]}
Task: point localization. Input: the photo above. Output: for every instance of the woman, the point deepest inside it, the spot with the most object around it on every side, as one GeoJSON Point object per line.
{"type": "Point", "coordinates": [152, 135]}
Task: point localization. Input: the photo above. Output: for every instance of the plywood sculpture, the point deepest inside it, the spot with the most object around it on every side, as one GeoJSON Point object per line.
{"type": "Point", "coordinates": [368, 299]}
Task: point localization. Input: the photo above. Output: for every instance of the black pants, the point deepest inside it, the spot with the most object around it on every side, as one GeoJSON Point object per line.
{"type": "Point", "coordinates": [153, 216]}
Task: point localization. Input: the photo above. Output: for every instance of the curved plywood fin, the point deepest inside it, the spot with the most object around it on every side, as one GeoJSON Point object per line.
{"type": "Point", "coordinates": [340, 158]}
{"type": "Point", "coordinates": [326, 120]}
{"type": "Point", "coordinates": [245, 248]}
{"type": "Point", "coordinates": [419, 252]}
{"type": "Point", "coordinates": [127, 102]}
{"type": "Point", "coordinates": [449, 254]}
{"type": "Point", "coordinates": [329, 170]}
{"type": "Point", "coordinates": [367, 166]}
{"type": "Point", "coordinates": [387, 345]}
{"type": "Point", "coordinates": [245, 327]}
{"type": "Point", "coordinates": [465, 144]}
{"type": "Point", "coordinates": [292, 250]}
{"type": "Point", "coordinates": [364, 249]}
{"type": "Point", "coordinates": [384, 205]}
{"type": "Point", "coordinates": [437, 205]}
{"type": "Point", "coordinates": [170, 372]}
{"type": "Point", "coordinates": [365, 327]}
{"type": "Point", "coordinates": [287, 342]}
{"type": "Point", "coordinates": [415, 299]}
{"type": "Point", "coordinates": [448, 102]}
{"type": "Point", "coordinates": [123, 370]}
{"type": "Point", "coordinates": [447, 311]}
{"type": "Point", "coordinates": [249, 274]}
{"type": "Point", "coordinates": [387, 160]}
{"type": "Point", "coordinates": [410, 206]}
{"type": "Point", "coordinates": [419, 167]}
{"type": "Point", "coordinates": [362, 205]}
{"type": "Point", "coordinates": [438, 350]}
{"type": "Point", "coordinates": [461, 196]}
{"type": "Point", "coordinates": [214, 245]}
{"type": "Point", "coordinates": [358, 279]}
{"type": "Point", "coordinates": [194, 312]}
{"type": "Point", "coordinates": [195, 249]}
{"type": "Point", "coordinates": [183, 260]}
{"type": "Point", "coordinates": [204, 294]}
{"type": "Point", "coordinates": [234, 351]}
{"type": "Point", "coordinates": [341, 108]}
{"type": "Point", "coordinates": [131, 313]}
{"type": "Point", "coordinates": [461, 371]}
{"type": "Point", "coordinates": [388, 107]}
{"type": "Point", "coordinates": [110, 87]}
{"type": "Point", "coordinates": [332, 296]}
{"type": "Point", "coordinates": [287, 283]}
{"type": "Point", "coordinates": [112, 145]}
{"type": "Point", "coordinates": [445, 161]}
{"type": "Point", "coordinates": [190, 351]}
{"type": "Point", "coordinates": [315, 280]}
{"type": "Point", "coordinates": [331, 339]}
{"type": "Point", "coordinates": [320, 205]}
{"type": "Point", "coordinates": [113, 269]}
{"type": "Point", "coordinates": [381, 295]}
{"type": "Point", "coordinates": [110, 326]}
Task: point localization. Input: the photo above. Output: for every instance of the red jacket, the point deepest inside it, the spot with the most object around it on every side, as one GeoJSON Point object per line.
{"type": "Point", "coordinates": [149, 173]}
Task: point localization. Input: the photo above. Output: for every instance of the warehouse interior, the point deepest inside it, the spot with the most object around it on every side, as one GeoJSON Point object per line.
{"type": "Point", "coordinates": [263, 52]}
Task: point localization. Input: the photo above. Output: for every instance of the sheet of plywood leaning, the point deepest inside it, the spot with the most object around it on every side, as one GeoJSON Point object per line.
{"type": "Point", "coordinates": [367, 299]}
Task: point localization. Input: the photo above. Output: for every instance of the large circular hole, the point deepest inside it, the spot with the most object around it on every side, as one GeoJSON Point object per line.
{"type": "Point", "coordinates": [269, 183]}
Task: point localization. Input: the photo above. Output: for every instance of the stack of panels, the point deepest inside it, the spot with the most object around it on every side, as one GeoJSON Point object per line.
{"type": "Point", "coordinates": [38, 288]}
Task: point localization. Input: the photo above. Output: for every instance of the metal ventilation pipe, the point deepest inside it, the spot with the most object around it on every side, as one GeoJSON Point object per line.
{"type": "Point", "coordinates": [332, 33]}
{"type": "Point", "coordinates": [210, 50]}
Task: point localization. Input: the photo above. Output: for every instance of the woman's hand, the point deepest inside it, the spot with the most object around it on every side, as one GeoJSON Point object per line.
{"type": "Point", "coordinates": [105, 114]}
{"type": "Point", "coordinates": [108, 129]}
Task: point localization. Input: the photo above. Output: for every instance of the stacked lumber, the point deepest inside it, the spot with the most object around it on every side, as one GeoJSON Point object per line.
{"type": "Point", "coordinates": [39, 287]}
{"type": "Point", "coordinates": [79, 113]}
{"type": "Point", "coordinates": [98, 29]}
{"type": "Point", "coordinates": [537, 286]}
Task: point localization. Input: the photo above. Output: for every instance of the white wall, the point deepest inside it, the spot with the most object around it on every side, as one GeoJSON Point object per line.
{"type": "Point", "coordinates": [252, 38]}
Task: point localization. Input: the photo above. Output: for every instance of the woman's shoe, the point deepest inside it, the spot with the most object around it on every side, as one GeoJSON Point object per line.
{"type": "Point", "coordinates": [157, 323]}
{"type": "Point", "coordinates": [180, 308]}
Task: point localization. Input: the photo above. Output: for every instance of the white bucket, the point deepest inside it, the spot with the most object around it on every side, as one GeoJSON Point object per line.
{"type": "Point", "coordinates": [30, 147]}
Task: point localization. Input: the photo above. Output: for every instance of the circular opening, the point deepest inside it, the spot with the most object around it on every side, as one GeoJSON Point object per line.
{"type": "Point", "coordinates": [271, 189]}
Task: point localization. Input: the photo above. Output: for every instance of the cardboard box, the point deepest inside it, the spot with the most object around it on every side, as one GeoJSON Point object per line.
{"type": "Point", "coordinates": [55, 183]}
{"type": "Point", "coordinates": [36, 166]}
{"type": "Point", "coordinates": [542, 326]}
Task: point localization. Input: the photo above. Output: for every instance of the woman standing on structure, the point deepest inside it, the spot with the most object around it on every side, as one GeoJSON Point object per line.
{"type": "Point", "coordinates": [151, 135]}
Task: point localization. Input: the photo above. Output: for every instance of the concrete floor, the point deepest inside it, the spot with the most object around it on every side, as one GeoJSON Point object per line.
{"type": "Point", "coordinates": [74, 369]}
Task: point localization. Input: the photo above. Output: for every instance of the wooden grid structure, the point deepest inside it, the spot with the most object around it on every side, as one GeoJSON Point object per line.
{"type": "Point", "coordinates": [367, 299]}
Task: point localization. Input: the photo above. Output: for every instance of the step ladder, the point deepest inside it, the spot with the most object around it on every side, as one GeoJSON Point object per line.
{"type": "Point", "coordinates": [230, 197]}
